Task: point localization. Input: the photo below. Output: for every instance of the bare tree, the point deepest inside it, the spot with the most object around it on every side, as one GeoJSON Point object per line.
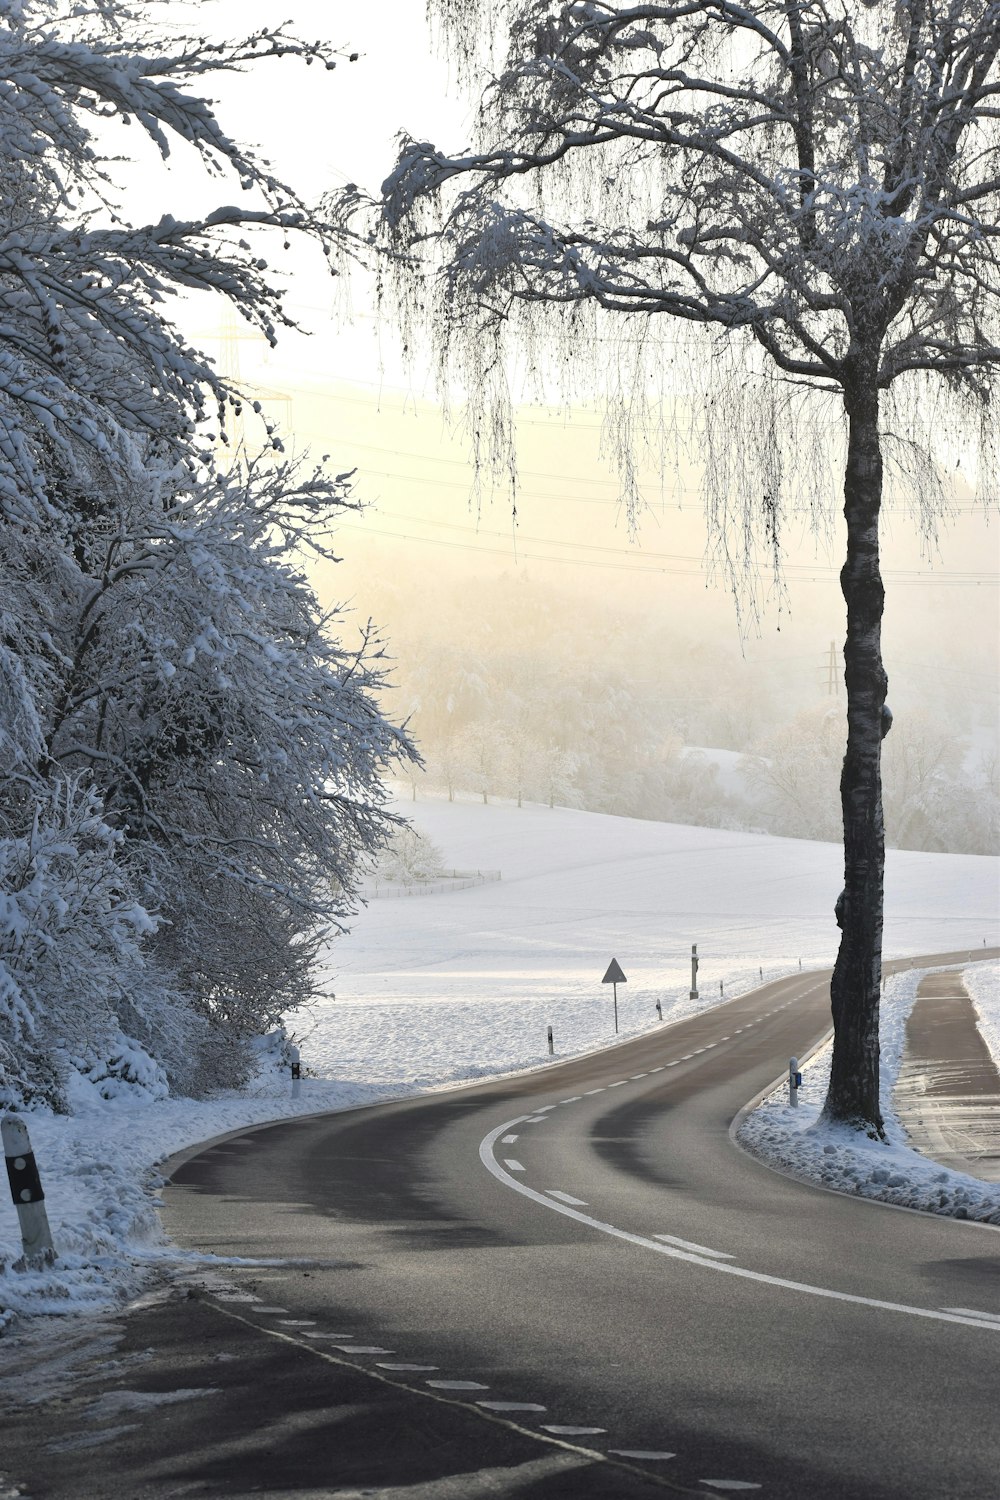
{"type": "Point", "coordinates": [818, 183]}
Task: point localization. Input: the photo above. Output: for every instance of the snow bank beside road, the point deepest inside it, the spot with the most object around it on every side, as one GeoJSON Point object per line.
{"type": "Point", "coordinates": [982, 982]}
{"type": "Point", "coordinates": [97, 1170]}
{"type": "Point", "coordinates": [797, 1141]}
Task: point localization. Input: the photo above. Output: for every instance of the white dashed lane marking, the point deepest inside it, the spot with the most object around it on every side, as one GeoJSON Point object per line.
{"type": "Point", "coordinates": [511, 1405]}
{"type": "Point", "coordinates": [387, 1365]}
{"type": "Point", "coordinates": [561, 1431]}
{"type": "Point", "coordinates": [594, 1091]}
{"type": "Point", "coordinates": [565, 1197]}
{"type": "Point", "coordinates": [619, 1084]}
{"type": "Point", "coordinates": [640, 1453]}
{"type": "Point", "coordinates": [574, 1100]}
{"type": "Point", "coordinates": [716, 1263]}
{"type": "Point", "coordinates": [457, 1385]}
{"type": "Point", "coordinates": [729, 1484]}
{"type": "Point", "coordinates": [509, 1140]}
{"type": "Point", "coordinates": [302, 1328]}
{"type": "Point", "coordinates": [512, 1165]}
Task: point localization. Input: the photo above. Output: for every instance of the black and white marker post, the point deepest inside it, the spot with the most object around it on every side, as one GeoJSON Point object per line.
{"type": "Point", "coordinates": [615, 977]}
{"type": "Point", "coordinates": [694, 972]}
{"type": "Point", "coordinates": [294, 1060]}
{"type": "Point", "coordinates": [26, 1191]}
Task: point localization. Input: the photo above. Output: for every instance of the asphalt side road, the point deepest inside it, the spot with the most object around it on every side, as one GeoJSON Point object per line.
{"type": "Point", "coordinates": [566, 1283]}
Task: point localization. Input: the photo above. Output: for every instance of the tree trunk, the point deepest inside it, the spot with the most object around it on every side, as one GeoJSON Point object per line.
{"type": "Point", "coordinates": [853, 1097]}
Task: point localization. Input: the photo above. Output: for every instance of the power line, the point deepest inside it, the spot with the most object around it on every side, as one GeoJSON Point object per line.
{"type": "Point", "coordinates": [668, 565]}
{"type": "Point", "coordinates": [796, 569]}
{"type": "Point", "coordinates": [891, 509]}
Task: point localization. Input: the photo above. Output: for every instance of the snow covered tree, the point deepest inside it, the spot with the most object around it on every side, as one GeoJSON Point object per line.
{"type": "Point", "coordinates": [793, 774]}
{"type": "Point", "coordinates": [189, 758]}
{"type": "Point", "coordinates": [814, 186]}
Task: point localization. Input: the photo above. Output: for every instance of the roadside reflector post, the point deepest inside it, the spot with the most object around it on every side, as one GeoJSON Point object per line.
{"type": "Point", "coordinates": [722, 987]}
{"type": "Point", "coordinates": [551, 1043]}
{"type": "Point", "coordinates": [26, 1191]}
{"type": "Point", "coordinates": [294, 1060]}
{"type": "Point", "coordinates": [694, 972]}
{"type": "Point", "coordinates": [794, 1082]}
{"type": "Point", "coordinates": [615, 977]}
{"type": "Point", "coordinates": [659, 1011]}
{"type": "Point", "coordinates": [760, 971]}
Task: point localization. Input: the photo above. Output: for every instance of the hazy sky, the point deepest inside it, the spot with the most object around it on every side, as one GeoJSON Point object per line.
{"type": "Point", "coordinates": [345, 390]}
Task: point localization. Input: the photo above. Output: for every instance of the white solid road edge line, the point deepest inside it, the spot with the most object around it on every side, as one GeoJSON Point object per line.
{"type": "Point", "coordinates": [672, 1239]}
{"type": "Point", "coordinates": [722, 1267]}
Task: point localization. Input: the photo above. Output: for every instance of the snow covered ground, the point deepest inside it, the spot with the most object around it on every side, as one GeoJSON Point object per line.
{"type": "Point", "coordinates": [797, 1141]}
{"type": "Point", "coordinates": [436, 988]}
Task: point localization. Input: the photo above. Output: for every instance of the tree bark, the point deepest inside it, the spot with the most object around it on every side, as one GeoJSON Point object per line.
{"type": "Point", "coordinates": [853, 1097]}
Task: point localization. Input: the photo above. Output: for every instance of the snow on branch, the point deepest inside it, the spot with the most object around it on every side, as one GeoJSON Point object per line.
{"type": "Point", "coordinates": [817, 182]}
{"type": "Point", "coordinates": [191, 749]}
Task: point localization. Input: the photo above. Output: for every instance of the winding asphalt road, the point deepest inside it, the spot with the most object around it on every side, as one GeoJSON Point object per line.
{"type": "Point", "coordinates": [598, 1294]}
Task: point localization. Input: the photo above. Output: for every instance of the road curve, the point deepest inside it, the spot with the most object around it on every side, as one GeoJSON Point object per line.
{"type": "Point", "coordinates": [578, 1257]}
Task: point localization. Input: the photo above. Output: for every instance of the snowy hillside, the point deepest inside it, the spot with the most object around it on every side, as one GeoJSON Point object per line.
{"type": "Point", "coordinates": [579, 887]}
{"type": "Point", "coordinates": [414, 978]}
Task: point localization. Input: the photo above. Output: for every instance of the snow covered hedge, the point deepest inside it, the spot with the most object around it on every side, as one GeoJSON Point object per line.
{"type": "Point", "coordinates": [190, 759]}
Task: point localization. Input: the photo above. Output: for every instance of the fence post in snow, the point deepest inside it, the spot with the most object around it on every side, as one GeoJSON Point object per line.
{"type": "Point", "coordinates": [26, 1191]}
{"type": "Point", "coordinates": [295, 1062]}
{"type": "Point", "coordinates": [551, 1043]}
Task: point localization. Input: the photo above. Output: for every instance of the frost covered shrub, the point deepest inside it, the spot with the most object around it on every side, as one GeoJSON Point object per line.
{"type": "Point", "coordinates": [409, 856]}
{"type": "Point", "coordinates": [70, 935]}
{"type": "Point", "coordinates": [181, 731]}
{"type": "Point", "coordinates": [126, 1072]}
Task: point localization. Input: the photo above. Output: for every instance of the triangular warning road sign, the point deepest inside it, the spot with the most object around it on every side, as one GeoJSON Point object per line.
{"type": "Point", "coordinates": [614, 974]}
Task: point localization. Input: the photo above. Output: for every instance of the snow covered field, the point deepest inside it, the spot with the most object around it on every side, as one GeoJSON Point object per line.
{"type": "Point", "coordinates": [435, 988]}
{"type": "Point", "coordinates": [438, 987]}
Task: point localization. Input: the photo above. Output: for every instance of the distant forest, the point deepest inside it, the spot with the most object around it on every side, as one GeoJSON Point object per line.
{"type": "Point", "coordinates": [517, 691]}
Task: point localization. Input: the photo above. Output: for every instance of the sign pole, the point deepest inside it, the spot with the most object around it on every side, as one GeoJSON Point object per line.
{"type": "Point", "coordinates": [615, 976]}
